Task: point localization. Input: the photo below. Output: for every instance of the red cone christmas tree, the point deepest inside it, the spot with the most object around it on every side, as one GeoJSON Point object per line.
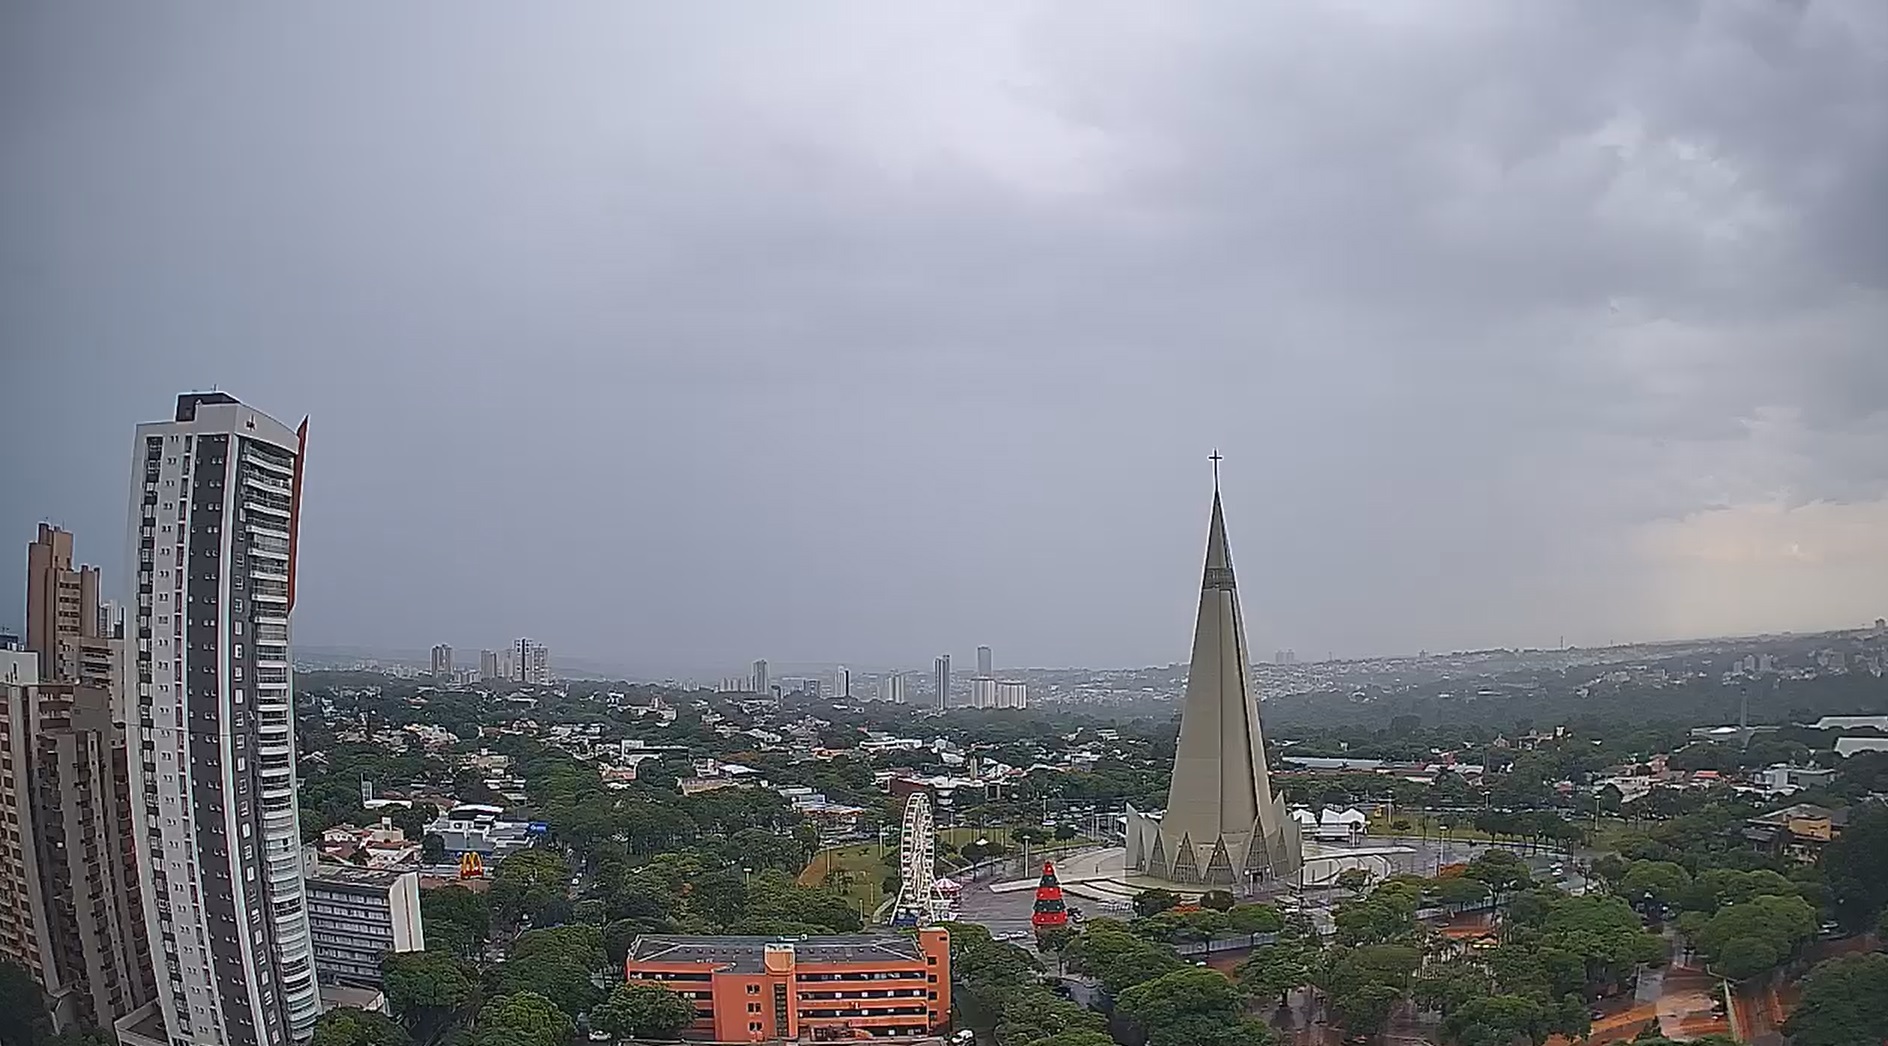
{"type": "Point", "coordinates": [1050, 911]}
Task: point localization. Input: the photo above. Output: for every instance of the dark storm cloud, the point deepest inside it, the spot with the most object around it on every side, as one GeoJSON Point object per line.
{"type": "Point", "coordinates": [864, 332]}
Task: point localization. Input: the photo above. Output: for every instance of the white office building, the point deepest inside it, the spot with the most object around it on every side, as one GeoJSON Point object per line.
{"type": "Point", "coordinates": [214, 501]}
{"type": "Point", "coordinates": [983, 692]}
{"type": "Point", "coordinates": [356, 916]}
{"type": "Point", "coordinates": [1011, 694]}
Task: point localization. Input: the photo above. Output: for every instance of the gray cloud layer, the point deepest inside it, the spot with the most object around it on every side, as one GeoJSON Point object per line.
{"type": "Point", "coordinates": [681, 335]}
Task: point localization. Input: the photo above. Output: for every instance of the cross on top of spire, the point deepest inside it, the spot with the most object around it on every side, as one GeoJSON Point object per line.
{"type": "Point", "coordinates": [1215, 457]}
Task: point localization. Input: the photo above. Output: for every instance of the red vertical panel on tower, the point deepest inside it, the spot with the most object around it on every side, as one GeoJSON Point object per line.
{"type": "Point", "coordinates": [295, 510]}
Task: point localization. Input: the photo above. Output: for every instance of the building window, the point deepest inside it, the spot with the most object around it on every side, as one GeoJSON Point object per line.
{"type": "Point", "coordinates": [753, 1007]}
{"type": "Point", "coordinates": [753, 989]}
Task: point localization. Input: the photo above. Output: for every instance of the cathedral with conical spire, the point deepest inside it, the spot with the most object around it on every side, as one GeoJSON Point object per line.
{"type": "Point", "coordinates": [1222, 825]}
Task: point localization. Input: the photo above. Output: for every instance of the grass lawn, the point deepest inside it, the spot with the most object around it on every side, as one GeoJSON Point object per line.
{"type": "Point", "coordinates": [858, 872]}
{"type": "Point", "coordinates": [1421, 824]}
{"type": "Point", "coordinates": [1611, 830]}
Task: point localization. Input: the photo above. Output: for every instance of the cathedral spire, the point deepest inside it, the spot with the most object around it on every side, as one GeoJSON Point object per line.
{"type": "Point", "coordinates": [1222, 822]}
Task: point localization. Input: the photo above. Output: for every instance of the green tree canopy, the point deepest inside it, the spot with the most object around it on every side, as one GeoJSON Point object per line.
{"type": "Point", "coordinates": [647, 1011]}
{"type": "Point", "coordinates": [1498, 1020]}
{"type": "Point", "coordinates": [1191, 1007]}
{"type": "Point", "coordinates": [349, 1026]}
{"type": "Point", "coordinates": [425, 988]}
{"type": "Point", "coordinates": [23, 1017]}
{"type": "Point", "coordinates": [1503, 871]}
{"type": "Point", "coordinates": [1459, 891]}
{"type": "Point", "coordinates": [1386, 914]}
{"type": "Point", "coordinates": [1364, 984]}
{"type": "Point", "coordinates": [1072, 1038]}
{"type": "Point", "coordinates": [461, 918]}
{"type": "Point", "coordinates": [523, 1019]}
{"type": "Point", "coordinates": [1254, 918]}
{"type": "Point", "coordinates": [1855, 864]}
{"type": "Point", "coordinates": [1746, 939]}
{"type": "Point", "coordinates": [1032, 1016]}
{"type": "Point", "coordinates": [1153, 902]}
{"type": "Point", "coordinates": [530, 883]}
{"type": "Point", "coordinates": [556, 964]}
{"type": "Point", "coordinates": [1663, 881]}
{"type": "Point", "coordinates": [1446, 986]}
{"type": "Point", "coordinates": [1845, 1003]}
{"type": "Point", "coordinates": [1117, 958]}
{"type": "Point", "coordinates": [1276, 969]}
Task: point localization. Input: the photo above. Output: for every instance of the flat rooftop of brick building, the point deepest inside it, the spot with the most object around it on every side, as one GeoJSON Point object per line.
{"type": "Point", "coordinates": [744, 954]}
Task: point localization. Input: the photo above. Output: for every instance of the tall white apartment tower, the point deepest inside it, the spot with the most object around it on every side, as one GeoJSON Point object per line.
{"type": "Point", "coordinates": [941, 681]}
{"type": "Point", "coordinates": [530, 662]}
{"type": "Point", "coordinates": [214, 499]}
{"type": "Point", "coordinates": [892, 688]}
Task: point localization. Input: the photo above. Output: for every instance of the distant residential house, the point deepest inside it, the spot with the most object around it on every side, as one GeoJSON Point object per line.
{"type": "Point", "coordinates": [1799, 832]}
{"type": "Point", "coordinates": [698, 785]}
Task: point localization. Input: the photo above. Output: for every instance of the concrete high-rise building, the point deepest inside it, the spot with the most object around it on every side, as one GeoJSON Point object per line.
{"type": "Point", "coordinates": [69, 906]}
{"type": "Point", "coordinates": [842, 683]}
{"type": "Point", "coordinates": [488, 666]}
{"type": "Point", "coordinates": [62, 603]}
{"type": "Point", "coordinates": [759, 681]}
{"type": "Point", "coordinates": [985, 663]}
{"type": "Point", "coordinates": [215, 496]}
{"type": "Point", "coordinates": [1222, 825]}
{"type": "Point", "coordinates": [358, 915]}
{"type": "Point", "coordinates": [941, 681]}
{"type": "Point", "coordinates": [982, 692]}
{"type": "Point", "coordinates": [892, 688]}
{"type": "Point", "coordinates": [1011, 694]}
{"type": "Point", "coordinates": [442, 661]}
{"type": "Point", "coordinates": [66, 908]}
{"type": "Point", "coordinates": [530, 662]}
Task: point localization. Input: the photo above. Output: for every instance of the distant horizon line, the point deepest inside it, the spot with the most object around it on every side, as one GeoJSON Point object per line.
{"type": "Point", "coordinates": [420, 656]}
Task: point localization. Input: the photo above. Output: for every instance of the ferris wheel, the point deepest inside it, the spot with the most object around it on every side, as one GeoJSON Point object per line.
{"type": "Point", "coordinates": [917, 864]}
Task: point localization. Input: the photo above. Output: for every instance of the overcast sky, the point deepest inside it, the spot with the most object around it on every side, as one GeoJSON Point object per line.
{"type": "Point", "coordinates": [677, 335]}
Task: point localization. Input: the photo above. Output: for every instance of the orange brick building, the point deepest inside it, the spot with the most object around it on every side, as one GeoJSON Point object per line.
{"type": "Point", "coordinates": [821, 989]}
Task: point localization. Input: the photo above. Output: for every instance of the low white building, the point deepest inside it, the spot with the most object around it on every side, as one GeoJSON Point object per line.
{"type": "Point", "coordinates": [356, 916]}
{"type": "Point", "coordinates": [1853, 722]}
{"type": "Point", "coordinates": [1848, 746]}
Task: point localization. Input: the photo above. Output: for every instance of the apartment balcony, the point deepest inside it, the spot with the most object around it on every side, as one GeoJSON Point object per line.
{"type": "Point", "coordinates": [267, 481]}
{"type": "Point", "coordinates": [274, 467]}
{"type": "Point", "coordinates": [257, 527]}
{"type": "Point", "coordinates": [291, 936]}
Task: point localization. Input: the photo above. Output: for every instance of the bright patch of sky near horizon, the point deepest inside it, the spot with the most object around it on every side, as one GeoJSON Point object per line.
{"type": "Point", "coordinates": [678, 335]}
